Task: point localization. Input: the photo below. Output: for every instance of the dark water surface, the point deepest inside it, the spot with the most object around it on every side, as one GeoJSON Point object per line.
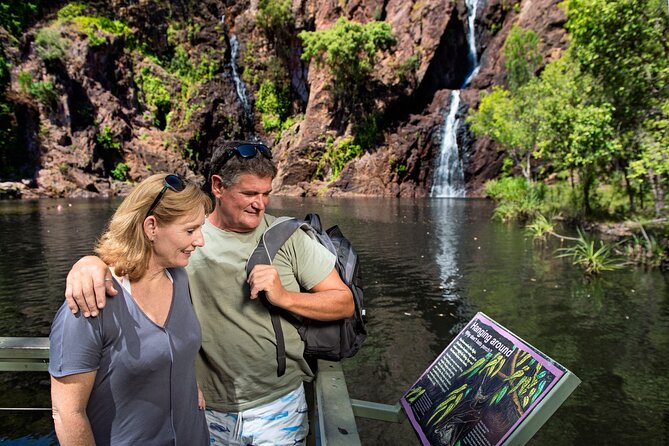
{"type": "Point", "coordinates": [429, 266]}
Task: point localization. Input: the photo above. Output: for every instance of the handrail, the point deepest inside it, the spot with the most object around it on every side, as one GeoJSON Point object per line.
{"type": "Point", "coordinates": [26, 354]}
{"type": "Point", "coordinates": [331, 411]}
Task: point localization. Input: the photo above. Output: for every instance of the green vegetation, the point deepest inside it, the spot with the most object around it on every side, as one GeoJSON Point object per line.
{"type": "Point", "coordinates": [107, 140]}
{"type": "Point", "coordinates": [155, 97]}
{"type": "Point", "coordinates": [599, 115]}
{"type": "Point", "coordinates": [335, 158]}
{"type": "Point", "coordinates": [522, 57]}
{"type": "Point", "coordinates": [517, 198]}
{"type": "Point", "coordinates": [348, 50]}
{"type": "Point", "coordinates": [50, 45]}
{"type": "Point", "coordinates": [120, 172]}
{"type": "Point", "coordinates": [45, 92]}
{"type": "Point", "coordinates": [592, 259]}
{"type": "Point", "coordinates": [88, 23]}
{"type": "Point", "coordinates": [276, 19]}
{"type": "Point", "coordinates": [15, 15]}
{"type": "Point", "coordinates": [273, 103]}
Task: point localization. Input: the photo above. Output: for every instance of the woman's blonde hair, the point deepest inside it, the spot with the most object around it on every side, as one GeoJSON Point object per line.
{"type": "Point", "coordinates": [124, 245]}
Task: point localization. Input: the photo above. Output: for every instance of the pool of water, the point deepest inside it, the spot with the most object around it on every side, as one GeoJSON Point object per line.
{"type": "Point", "coordinates": [429, 266]}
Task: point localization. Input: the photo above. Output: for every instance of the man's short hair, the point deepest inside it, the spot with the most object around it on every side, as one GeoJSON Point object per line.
{"type": "Point", "coordinates": [230, 167]}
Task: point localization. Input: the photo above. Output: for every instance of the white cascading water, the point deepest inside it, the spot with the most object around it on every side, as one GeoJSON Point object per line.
{"type": "Point", "coordinates": [239, 84]}
{"type": "Point", "coordinates": [449, 176]}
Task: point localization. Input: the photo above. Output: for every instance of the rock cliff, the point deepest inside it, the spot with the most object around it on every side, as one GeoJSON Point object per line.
{"type": "Point", "coordinates": [117, 103]}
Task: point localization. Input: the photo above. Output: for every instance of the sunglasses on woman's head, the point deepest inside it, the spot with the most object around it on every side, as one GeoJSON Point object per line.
{"type": "Point", "coordinates": [171, 181]}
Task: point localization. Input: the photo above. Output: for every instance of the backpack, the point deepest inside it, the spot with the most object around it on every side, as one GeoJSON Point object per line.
{"type": "Point", "coordinates": [330, 340]}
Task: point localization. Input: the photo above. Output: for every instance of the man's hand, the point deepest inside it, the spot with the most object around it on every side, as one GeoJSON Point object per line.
{"type": "Point", "coordinates": [266, 278]}
{"type": "Point", "coordinates": [88, 283]}
{"type": "Point", "coordinates": [329, 300]}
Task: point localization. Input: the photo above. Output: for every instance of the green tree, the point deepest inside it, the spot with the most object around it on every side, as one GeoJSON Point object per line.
{"type": "Point", "coordinates": [521, 55]}
{"type": "Point", "coordinates": [653, 160]}
{"type": "Point", "coordinates": [575, 133]}
{"type": "Point", "coordinates": [276, 19]}
{"type": "Point", "coordinates": [624, 45]}
{"type": "Point", "coordinates": [511, 121]}
{"type": "Point", "coordinates": [348, 49]}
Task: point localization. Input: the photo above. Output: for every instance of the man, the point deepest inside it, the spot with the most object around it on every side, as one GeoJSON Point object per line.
{"type": "Point", "coordinates": [247, 402]}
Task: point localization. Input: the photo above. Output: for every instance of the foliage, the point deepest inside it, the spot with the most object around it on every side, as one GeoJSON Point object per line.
{"type": "Point", "coordinates": [624, 46]}
{"type": "Point", "coordinates": [71, 10]}
{"type": "Point", "coordinates": [45, 92]}
{"type": "Point", "coordinates": [14, 15]}
{"type": "Point", "coordinates": [348, 49]}
{"type": "Point", "coordinates": [406, 71]}
{"type": "Point", "coordinates": [155, 96]}
{"type": "Point", "coordinates": [511, 121]}
{"type": "Point", "coordinates": [50, 45]}
{"type": "Point", "coordinates": [273, 103]}
{"type": "Point", "coordinates": [652, 162]}
{"type": "Point", "coordinates": [366, 131]}
{"type": "Point", "coordinates": [107, 140]}
{"type": "Point", "coordinates": [4, 71]}
{"type": "Point", "coordinates": [517, 198]}
{"type": "Point", "coordinates": [522, 56]}
{"type": "Point", "coordinates": [120, 172]}
{"type": "Point", "coordinates": [540, 227]}
{"type": "Point", "coordinates": [593, 260]}
{"type": "Point", "coordinates": [336, 156]}
{"type": "Point", "coordinates": [275, 18]}
{"type": "Point", "coordinates": [646, 251]}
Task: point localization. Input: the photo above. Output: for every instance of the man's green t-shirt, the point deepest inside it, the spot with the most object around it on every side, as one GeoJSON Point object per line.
{"type": "Point", "coordinates": [236, 367]}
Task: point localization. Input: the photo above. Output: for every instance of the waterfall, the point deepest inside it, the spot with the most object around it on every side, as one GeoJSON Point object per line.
{"type": "Point", "coordinates": [239, 84]}
{"type": "Point", "coordinates": [449, 176]}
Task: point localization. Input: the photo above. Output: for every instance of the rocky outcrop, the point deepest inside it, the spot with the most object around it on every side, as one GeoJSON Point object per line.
{"type": "Point", "coordinates": [100, 119]}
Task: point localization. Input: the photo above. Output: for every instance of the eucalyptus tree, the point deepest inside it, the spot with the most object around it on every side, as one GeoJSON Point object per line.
{"type": "Point", "coordinates": [509, 116]}
{"type": "Point", "coordinates": [576, 133]}
{"type": "Point", "coordinates": [624, 45]}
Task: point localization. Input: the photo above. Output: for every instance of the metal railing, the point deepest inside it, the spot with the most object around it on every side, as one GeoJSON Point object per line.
{"type": "Point", "coordinates": [331, 411]}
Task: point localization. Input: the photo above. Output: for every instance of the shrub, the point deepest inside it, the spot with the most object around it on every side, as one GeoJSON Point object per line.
{"type": "Point", "coordinates": [50, 45]}
{"type": "Point", "coordinates": [336, 157]}
{"type": "Point", "coordinates": [120, 172]}
{"type": "Point", "coordinates": [593, 260]}
{"type": "Point", "coordinates": [107, 140]}
{"type": "Point", "coordinates": [274, 104]}
{"type": "Point", "coordinates": [517, 198]}
{"type": "Point", "coordinates": [155, 96]}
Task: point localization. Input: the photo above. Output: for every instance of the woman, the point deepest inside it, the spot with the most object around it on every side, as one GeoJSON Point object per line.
{"type": "Point", "coordinates": [128, 375]}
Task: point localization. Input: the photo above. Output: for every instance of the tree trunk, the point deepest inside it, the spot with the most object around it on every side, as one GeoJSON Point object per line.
{"type": "Point", "coordinates": [658, 192]}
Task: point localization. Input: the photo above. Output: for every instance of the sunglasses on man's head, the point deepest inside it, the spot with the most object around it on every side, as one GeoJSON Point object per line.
{"type": "Point", "coordinates": [171, 181]}
{"type": "Point", "coordinates": [246, 150]}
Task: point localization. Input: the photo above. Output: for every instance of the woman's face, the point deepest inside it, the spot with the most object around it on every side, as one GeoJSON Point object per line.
{"type": "Point", "coordinates": [173, 243]}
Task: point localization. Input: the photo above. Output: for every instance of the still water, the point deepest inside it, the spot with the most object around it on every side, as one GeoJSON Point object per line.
{"type": "Point", "coordinates": [428, 266]}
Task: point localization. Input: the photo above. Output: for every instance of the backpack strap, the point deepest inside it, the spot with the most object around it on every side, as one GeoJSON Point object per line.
{"type": "Point", "coordinates": [271, 241]}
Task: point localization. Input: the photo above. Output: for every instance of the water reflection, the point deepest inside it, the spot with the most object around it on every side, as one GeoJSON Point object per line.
{"type": "Point", "coordinates": [428, 267]}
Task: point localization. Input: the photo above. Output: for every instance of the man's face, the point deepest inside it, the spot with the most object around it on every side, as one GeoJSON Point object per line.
{"type": "Point", "coordinates": [240, 207]}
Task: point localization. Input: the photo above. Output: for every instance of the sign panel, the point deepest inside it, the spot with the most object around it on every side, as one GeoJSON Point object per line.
{"type": "Point", "coordinates": [488, 387]}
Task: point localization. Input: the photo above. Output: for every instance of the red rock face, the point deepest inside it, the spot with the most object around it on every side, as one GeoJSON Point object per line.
{"type": "Point", "coordinates": [403, 163]}
{"type": "Point", "coordinates": [97, 89]}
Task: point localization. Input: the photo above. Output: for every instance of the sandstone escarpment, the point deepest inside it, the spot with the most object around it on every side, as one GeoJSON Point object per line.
{"type": "Point", "coordinates": [100, 129]}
